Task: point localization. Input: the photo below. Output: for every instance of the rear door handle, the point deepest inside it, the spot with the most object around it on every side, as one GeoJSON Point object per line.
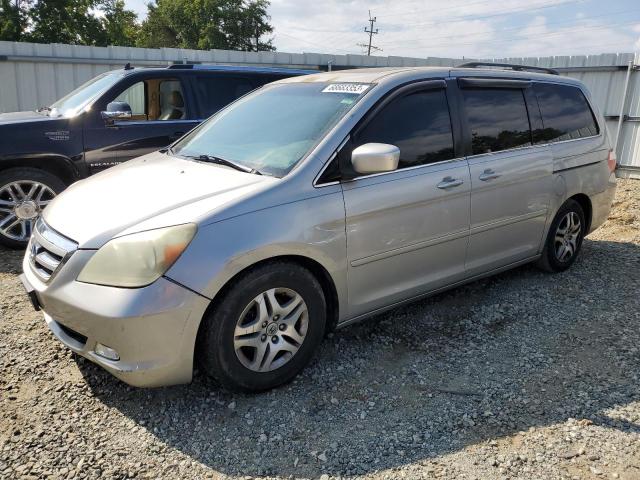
{"type": "Point", "coordinates": [489, 174]}
{"type": "Point", "coordinates": [449, 182]}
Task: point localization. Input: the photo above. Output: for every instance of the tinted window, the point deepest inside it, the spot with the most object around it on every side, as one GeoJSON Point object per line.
{"type": "Point", "coordinates": [418, 124]}
{"type": "Point", "coordinates": [497, 119]}
{"type": "Point", "coordinates": [565, 113]}
{"type": "Point", "coordinates": [217, 92]}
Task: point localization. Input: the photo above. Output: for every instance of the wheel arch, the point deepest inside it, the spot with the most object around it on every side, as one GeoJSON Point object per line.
{"type": "Point", "coordinates": [585, 202]}
{"type": "Point", "coordinates": [317, 270]}
{"type": "Point", "coordinates": [55, 164]}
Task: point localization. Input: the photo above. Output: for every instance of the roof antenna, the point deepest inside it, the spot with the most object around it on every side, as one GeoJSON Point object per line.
{"type": "Point", "coordinates": [128, 66]}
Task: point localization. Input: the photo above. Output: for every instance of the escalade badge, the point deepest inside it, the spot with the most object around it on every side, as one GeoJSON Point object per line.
{"type": "Point", "coordinates": [58, 136]}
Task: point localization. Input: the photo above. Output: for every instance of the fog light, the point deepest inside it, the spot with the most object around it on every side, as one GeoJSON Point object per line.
{"type": "Point", "coordinates": [106, 352]}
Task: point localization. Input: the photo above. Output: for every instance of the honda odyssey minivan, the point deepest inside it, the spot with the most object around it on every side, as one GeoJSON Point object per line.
{"type": "Point", "coordinates": [312, 203]}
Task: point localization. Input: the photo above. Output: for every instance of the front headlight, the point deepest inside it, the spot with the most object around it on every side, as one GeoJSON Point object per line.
{"type": "Point", "coordinates": [138, 259]}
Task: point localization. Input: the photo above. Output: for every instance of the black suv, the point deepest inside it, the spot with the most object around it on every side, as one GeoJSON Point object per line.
{"type": "Point", "coordinates": [112, 118]}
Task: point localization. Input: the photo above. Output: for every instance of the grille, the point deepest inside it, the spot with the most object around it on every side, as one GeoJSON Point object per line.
{"type": "Point", "coordinates": [48, 250]}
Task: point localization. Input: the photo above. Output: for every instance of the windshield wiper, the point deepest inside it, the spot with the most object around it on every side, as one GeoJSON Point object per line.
{"type": "Point", "coordinates": [43, 109]}
{"type": "Point", "coordinates": [225, 162]}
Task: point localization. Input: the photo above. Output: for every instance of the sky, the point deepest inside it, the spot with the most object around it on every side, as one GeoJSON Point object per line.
{"type": "Point", "coordinates": [454, 28]}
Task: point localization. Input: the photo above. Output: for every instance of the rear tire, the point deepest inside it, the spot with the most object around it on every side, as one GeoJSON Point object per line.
{"type": "Point", "coordinates": [24, 192]}
{"type": "Point", "coordinates": [564, 239]}
{"type": "Point", "coordinates": [264, 329]}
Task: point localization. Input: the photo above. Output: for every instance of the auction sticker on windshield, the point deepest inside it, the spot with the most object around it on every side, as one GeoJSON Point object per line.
{"type": "Point", "coordinates": [355, 88]}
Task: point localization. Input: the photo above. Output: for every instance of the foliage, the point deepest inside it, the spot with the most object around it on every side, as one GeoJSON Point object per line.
{"type": "Point", "coordinates": [65, 21]}
{"type": "Point", "coordinates": [198, 24]}
{"type": "Point", "coordinates": [120, 25]}
{"type": "Point", "coordinates": [206, 24]}
{"type": "Point", "coordinates": [13, 19]}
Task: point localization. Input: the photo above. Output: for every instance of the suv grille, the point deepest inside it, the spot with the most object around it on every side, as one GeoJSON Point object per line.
{"type": "Point", "coordinates": [48, 250]}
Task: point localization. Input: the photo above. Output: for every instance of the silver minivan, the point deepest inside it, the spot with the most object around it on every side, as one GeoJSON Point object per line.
{"type": "Point", "coordinates": [312, 203]}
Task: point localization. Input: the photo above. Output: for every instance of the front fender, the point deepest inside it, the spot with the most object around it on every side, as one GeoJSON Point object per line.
{"type": "Point", "coordinates": [313, 228]}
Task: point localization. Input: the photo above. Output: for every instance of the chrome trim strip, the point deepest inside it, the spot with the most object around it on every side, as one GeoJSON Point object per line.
{"type": "Point", "coordinates": [53, 237]}
{"type": "Point", "coordinates": [46, 260]}
{"type": "Point", "coordinates": [577, 166]}
{"type": "Point", "coordinates": [507, 221]}
{"type": "Point", "coordinates": [410, 248]}
{"type": "Point", "coordinates": [44, 246]}
{"type": "Point", "coordinates": [408, 169]}
{"type": "Point", "coordinates": [430, 293]}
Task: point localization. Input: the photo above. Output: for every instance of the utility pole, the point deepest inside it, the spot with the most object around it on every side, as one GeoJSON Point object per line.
{"type": "Point", "coordinates": [371, 33]}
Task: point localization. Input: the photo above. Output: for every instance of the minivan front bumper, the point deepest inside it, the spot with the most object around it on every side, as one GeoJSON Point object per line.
{"type": "Point", "coordinates": [152, 329]}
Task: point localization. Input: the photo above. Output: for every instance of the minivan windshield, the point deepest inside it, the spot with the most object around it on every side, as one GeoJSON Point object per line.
{"type": "Point", "coordinates": [72, 103]}
{"type": "Point", "coordinates": [271, 130]}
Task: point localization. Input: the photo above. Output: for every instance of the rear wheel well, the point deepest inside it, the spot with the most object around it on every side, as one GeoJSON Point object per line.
{"type": "Point", "coordinates": [585, 203]}
{"type": "Point", "coordinates": [55, 166]}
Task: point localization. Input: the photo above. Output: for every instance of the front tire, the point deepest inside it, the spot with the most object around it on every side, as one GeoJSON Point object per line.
{"type": "Point", "coordinates": [264, 329]}
{"type": "Point", "coordinates": [564, 239]}
{"type": "Point", "coordinates": [24, 193]}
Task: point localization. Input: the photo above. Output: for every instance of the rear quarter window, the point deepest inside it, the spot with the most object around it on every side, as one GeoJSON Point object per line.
{"type": "Point", "coordinates": [566, 114]}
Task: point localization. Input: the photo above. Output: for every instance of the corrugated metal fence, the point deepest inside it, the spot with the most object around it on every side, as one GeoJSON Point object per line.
{"type": "Point", "coordinates": [33, 75]}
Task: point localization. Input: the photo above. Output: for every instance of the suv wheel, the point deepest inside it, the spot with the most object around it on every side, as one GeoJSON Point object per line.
{"type": "Point", "coordinates": [265, 328]}
{"type": "Point", "coordinates": [564, 238]}
{"type": "Point", "coordinates": [24, 193]}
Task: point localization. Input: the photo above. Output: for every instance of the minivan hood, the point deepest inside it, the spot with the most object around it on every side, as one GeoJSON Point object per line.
{"type": "Point", "coordinates": [149, 192]}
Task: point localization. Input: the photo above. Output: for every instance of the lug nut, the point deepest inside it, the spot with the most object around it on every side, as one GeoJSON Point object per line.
{"type": "Point", "coordinates": [263, 338]}
{"type": "Point", "coordinates": [264, 324]}
{"type": "Point", "coordinates": [274, 339]}
{"type": "Point", "coordinates": [276, 317]}
{"type": "Point", "coordinates": [283, 326]}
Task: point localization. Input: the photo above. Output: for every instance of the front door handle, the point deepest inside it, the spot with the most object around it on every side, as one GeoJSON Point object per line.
{"type": "Point", "coordinates": [489, 174]}
{"type": "Point", "coordinates": [176, 136]}
{"type": "Point", "coordinates": [449, 182]}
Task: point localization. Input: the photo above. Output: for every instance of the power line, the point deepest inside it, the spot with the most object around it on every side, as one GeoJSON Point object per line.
{"type": "Point", "coordinates": [508, 29]}
{"type": "Point", "coordinates": [463, 18]}
{"type": "Point", "coordinates": [531, 36]}
{"type": "Point", "coordinates": [371, 33]}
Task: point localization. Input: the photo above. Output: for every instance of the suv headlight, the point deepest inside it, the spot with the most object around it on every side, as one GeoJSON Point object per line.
{"type": "Point", "coordinates": [138, 259]}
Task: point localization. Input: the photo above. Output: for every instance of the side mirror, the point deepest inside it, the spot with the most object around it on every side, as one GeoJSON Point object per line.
{"type": "Point", "coordinates": [117, 111]}
{"type": "Point", "coordinates": [375, 158]}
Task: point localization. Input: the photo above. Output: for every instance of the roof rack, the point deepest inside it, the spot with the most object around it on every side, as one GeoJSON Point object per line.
{"type": "Point", "coordinates": [510, 66]}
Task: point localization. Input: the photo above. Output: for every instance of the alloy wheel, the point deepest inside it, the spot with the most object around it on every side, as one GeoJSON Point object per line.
{"type": "Point", "coordinates": [21, 203]}
{"type": "Point", "coordinates": [567, 237]}
{"type": "Point", "coordinates": [271, 329]}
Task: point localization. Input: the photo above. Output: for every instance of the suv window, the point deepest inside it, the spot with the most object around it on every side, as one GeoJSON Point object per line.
{"type": "Point", "coordinates": [155, 99]}
{"type": "Point", "coordinates": [497, 119]}
{"type": "Point", "coordinates": [219, 91]}
{"type": "Point", "coordinates": [418, 124]}
{"type": "Point", "coordinates": [565, 113]}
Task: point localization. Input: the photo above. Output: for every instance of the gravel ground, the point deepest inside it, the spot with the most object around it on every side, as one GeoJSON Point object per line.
{"type": "Point", "coordinates": [524, 375]}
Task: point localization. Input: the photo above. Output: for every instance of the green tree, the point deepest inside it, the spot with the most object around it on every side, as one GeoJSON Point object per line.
{"type": "Point", "coordinates": [120, 25]}
{"type": "Point", "coordinates": [13, 19]}
{"type": "Point", "coordinates": [207, 24]}
{"type": "Point", "coordinates": [66, 21]}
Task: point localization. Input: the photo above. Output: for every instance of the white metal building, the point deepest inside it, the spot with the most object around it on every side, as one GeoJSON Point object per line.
{"type": "Point", "coordinates": [33, 75]}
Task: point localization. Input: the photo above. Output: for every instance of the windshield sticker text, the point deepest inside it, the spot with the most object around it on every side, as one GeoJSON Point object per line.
{"type": "Point", "coordinates": [354, 88]}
